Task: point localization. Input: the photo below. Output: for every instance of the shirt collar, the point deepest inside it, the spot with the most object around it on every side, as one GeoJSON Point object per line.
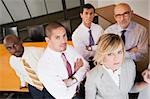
{"type": "Point", "coordinates": [24, 53]}
{"type": "Point", "coordinates": [130, 27]}
{"type": "Point", "coordinates": [86, 28]}
{"type": "Point", "coordinates": [117, 72]}
{"type": "Point", "coordinates": [54, 52]}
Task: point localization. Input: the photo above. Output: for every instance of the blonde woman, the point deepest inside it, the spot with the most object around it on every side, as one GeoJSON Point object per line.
{"type": "Point", "coordinates": [114, 75]}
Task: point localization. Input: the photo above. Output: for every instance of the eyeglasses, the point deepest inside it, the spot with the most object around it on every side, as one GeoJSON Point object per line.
{"type": "Point", "coordinates": [125, 14]}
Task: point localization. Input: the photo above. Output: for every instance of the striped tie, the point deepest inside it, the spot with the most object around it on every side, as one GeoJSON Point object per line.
{"type": "Point", "coordinates": [32, 75]}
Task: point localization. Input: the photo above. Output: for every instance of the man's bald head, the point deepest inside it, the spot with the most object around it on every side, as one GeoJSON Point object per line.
{"type": "Point", "coordinates": [14, 45]}
{"type": "Point", "coordinates": [123, 15]}
{"type": "Point", "coordinates": [10, 38]}
{"type": "Point", "coordinates": [121, 6]}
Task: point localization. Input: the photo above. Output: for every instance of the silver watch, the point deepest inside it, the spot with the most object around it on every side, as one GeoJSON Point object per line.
{"type": "Point", "coordinates": [90, 48]}
{"type": "Point", "coordinates": [74, 80]}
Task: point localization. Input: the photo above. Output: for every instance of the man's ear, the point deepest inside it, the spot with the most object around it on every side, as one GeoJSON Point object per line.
{"type": "Point", "coordinates": [81, 15]}
{"type": "Point", "coordinates": [114, 17]}
{"type": "Point", "coordinates": [132, 13]}
{"type": "Point", "coordinates": [47, 39]}
{"type": "Point", "coordinates": [20, 40]}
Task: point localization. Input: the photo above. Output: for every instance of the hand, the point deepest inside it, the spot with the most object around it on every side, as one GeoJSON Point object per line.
{"type": "Point", "coordinates": [134, 49]}
{"type": "Point", "coordinates": [22, 87]}
{"type": "Point", "coordinates": [146, 75]}
{"type": "Point", "coordinates": [69, 82]}
{"type": "Point", "coordinates": [78, 64]}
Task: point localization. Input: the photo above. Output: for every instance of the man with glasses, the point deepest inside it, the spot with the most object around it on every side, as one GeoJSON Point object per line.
{"type": "Point", "coordinates": [134, 35]}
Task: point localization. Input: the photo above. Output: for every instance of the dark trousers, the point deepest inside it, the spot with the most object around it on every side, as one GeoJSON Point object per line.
{"type": "Point", "coordinates": [37, 94]}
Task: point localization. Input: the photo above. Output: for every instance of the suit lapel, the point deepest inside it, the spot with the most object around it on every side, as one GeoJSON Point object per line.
{"type": "Point", "coordinates": [123, 78]}
{"type": "Point", "coordinates": [106, 78]}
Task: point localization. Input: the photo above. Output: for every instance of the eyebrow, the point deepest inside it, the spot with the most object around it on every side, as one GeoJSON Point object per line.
{"type": "Point", "coordinates": [123, 13]}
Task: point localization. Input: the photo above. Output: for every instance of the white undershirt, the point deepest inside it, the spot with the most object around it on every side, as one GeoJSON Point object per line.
{"type": "Point", "coordinates": [115, 75]}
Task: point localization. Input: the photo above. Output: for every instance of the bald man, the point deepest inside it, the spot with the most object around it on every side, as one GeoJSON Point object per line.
{"type": "Point", "coordinates": [31, 55]}
{"type": "Point", "coordinates": [134, 35]}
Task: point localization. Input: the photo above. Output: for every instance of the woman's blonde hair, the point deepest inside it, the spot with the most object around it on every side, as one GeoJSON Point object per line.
{"type": "Point", "coordinates": [107, 43]}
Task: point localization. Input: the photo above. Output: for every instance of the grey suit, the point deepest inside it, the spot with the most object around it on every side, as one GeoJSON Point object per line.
{"type": "Point", "coordinates": [145, 93]}
{"type": "Point", "coordinates": [99, 84]}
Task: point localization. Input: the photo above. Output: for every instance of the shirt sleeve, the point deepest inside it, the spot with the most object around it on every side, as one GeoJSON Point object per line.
{"type": "Point", "coordinates": [142, 46]}
{"type": "Point", "coordinates": [18, 73]}
{"type": "Point", "coordinates": [94, 47]}
{"type": "Point", "coordinates": [80, 74]}
{"type": "Point", "coordinates": [81, 47]}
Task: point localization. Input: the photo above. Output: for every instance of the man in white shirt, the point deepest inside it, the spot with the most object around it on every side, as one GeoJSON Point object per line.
{"type": "Point", "coordinates": [53, 71]}
{"type": "Point", "coordinates": [134, 35]}
{"type": "Point", "coordinates": [31, 56]}
{"type": "Point", "coordinates": [82, 35]}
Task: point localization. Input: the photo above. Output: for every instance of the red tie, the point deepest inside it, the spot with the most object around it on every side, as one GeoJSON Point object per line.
{"type": "Point", "coordinates": [68, 66]}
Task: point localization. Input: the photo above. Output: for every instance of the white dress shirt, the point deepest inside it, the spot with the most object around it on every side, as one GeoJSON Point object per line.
{"type": "Point", "coordinates": [31, 56]}
{"type": "Point", "coordinates": [52, 71]}
{"type": "Point", "coordinates": [80, 39]}
{"type": "Point", "coordinates": [114, 75]}
{"type": "Point", "coordinates": [135, 36]}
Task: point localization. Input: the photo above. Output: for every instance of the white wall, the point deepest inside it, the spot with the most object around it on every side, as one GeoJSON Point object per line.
{"type": "Point", "coordinates": [140, 7]}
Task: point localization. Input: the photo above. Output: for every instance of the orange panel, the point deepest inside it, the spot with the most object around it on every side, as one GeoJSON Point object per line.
{"type": "Point", "coordinates": [8, 79]}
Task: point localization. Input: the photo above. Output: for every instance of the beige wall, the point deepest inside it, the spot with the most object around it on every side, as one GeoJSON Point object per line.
{"type": "Point", "coordinates": [140, 7]}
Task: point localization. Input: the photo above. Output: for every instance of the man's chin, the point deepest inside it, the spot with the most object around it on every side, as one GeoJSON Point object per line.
{"type": "Point", "coordinates": [63, 49]}
{"type": "Point", "coordinates": [124, 25]}
{"type": "Point", "coordinates": [17, 55]}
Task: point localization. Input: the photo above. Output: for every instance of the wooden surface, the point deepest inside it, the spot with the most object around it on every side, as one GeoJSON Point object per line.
{"type": "Point", "coordinates": [8, 79]}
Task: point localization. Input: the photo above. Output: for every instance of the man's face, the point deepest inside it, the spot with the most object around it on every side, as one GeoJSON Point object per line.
{"type": "Point", "coordinates": [14, 46]}
{"type": "Point", "coordinates": [57, 41]}
{"type": "Point", "coordinates": [122, 15]}
{"type": "Point", "coordinates": [87, 16]}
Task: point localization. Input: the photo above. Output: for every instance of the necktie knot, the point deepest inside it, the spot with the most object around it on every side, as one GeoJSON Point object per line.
{"type": "Point", "coordinates": [67, 64]}
{"type": "Point", "coordinates": [123, 31]}
{"type": "Point", "coordinates": [91, 40]}
{"type": "Point", "coordinates": [123, 35]}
